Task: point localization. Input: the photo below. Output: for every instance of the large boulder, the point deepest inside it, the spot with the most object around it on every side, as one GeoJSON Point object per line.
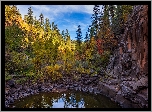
{"type": "Point", "coordinates": [11, 83]}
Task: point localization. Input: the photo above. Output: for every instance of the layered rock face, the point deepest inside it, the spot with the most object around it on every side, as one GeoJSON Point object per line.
{"type": "Point", "coordinates": [129, 64]}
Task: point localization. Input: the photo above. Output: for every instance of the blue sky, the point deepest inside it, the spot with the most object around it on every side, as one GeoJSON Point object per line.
{"type": "Point", "coordinates": [65, 16]}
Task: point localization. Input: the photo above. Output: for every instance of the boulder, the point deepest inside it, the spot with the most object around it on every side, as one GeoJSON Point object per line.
{"type": "Point", "coordinates": [113, 82]}
{"type": "Point", "coordinates": [12, 90]}
{"type": "Point", "coordinates": [127, 92]}
{"type": "Point", "coordinates": [11, 100]}
{"type": "Point", "coordinates": [113, 91]}
{"type": "Point", "coordinates": [105, 89]}
{"type": "Point", "coordinates": [96, 90]}
{"type": "Point", "coordinates": [75, 85]}
{"type": "Point", "coordinates": [91, 89]}
{"type": "Point", "coordinates": [11, 83]}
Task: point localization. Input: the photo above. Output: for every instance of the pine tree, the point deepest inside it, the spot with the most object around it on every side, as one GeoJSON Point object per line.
{"type": "Point", "coordinates": [79, 35]}
{"type": "Point", "coordinates": [47, 25]}
{"type": "Point", "coordinates": [119, 14]}
{"type": "Point", "coordinates": [86, 37]}
{"type": "Point", "coordinates": [52, 26]}
{"type": "Point", "coordinates": [66, 34]}
{"type": "Point", "coordinates": [41, 20]}
{"type": "Point", "coordinates": [30, 16]}
{"type": "Point", "coordinates": [63, 35]}
{"type": "Point", "coordinates": [95, 21]}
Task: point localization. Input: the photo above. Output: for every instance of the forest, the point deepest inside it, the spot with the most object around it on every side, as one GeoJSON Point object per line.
{"type": "Point", "coordinates": [35, 50]}
{"type": "Point", "coordinates": [105, 67]}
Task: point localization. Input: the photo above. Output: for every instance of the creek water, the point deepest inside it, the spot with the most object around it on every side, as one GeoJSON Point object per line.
{"type": "Point", "coordinates": [68, 99]}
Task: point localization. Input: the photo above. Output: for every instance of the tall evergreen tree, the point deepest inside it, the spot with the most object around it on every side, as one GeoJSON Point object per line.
{"type": "Point", "coordinates": [119, 14]}
{"type": "Point", "coordinates": [79, 35]}
{"type": "Point", "coordinates": [47, 25]}
{"type": "Point", "coordinates": [41, 20]}
{"type": "Point", "coordinates": [95, 20]}
{"type": "Point", "coordinates": [63, 34]}
{"type": "Point", "coordinates": [30, 16]}
{"type": "Point", "coordinates": [86, 37]}
{"type": "Point", "coordinates": [66, 34]}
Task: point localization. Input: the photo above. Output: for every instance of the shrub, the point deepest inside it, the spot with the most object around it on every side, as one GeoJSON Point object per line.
{"type": "Point", "coordinates": [52, 72]}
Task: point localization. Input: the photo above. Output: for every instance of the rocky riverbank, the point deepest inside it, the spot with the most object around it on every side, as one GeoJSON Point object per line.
{"type": "Point", "coordinates": [86, 83]}
{"type": "Point", "coordinates": [15, 91]}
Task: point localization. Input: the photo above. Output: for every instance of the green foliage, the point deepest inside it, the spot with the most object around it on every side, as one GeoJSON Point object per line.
{"type": "Point", "coordinates": [7, 76]}
{"type": "Point", "coordinates": [52, 72]}
{"type": "Point", "coordinates": [37, 50]}
{"type": "Point", "coordinates": [19, 62]}
{"type": "Point", "coordinates": [105, 58]}
{"type": "Point", "coordinates": [21, 80]}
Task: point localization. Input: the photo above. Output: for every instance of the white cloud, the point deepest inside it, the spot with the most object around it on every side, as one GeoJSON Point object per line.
{"type": "Point", "coordinates": [37, 10]}
{"type": "Point", "coordinates": [72, 8]}
{"type": "Point", "coordinates": [41, 7]}
{"type": "Point", "coordinates": [56, 13]}
{"type": "Point", "coordinates": [88, 8]}
{"type": "Point", "coordinates": [59, 9]}
{"type": "Point", "coordinates": [53, 11]}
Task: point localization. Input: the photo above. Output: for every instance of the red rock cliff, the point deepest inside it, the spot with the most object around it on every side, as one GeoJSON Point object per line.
{"type": "Point", "coordinates": [129, 64]}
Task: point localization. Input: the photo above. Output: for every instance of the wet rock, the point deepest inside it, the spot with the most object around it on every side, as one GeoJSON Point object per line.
{"type": "Point", "coordinates": [11, 100]}
{"type": "Point", "coordinates": [15, 96]}
{"type": "Point", "coordinates": [29, 90]}
{"type": "Point", "coordinates": [136, 106]}
{"type": "Point", "coordinates": [39, 87]}
{"type": "Point", "coordinates": [126, 72]}
{"type": "Point", "coordinates": [87, 82]}
{"type": "Point", "coordinates": [105, 89]}
{"type": "Point", "coordinates": [84, 89]}
{"type": "Point", "coordinates": [144, 82]}
{"type": "Point", "coordinates": [136, 85]}
{"type": "Point", "coordinates": [25, 95]}
{"type": "Point", "coordinates": [55, 85]}
{"type": "Point", "coordinates": [75, 85]}
{"type": "Point", "coordinates": [76, 88]}
{"type": "Point", "coordinates": [6, 104]}
{"type": "Point", "coordinates": [95, 76]}
{"type": "Point", "coordinates": [117, 70]}
{"type": "Point", "coordinates": [113, 91]}
{"type": "Point", "coordinates": [13, 90]}
{"type": "Point", "coordinates": [11, 83]}
{"type": "Point", "coordinates": [24, 87]}
{"type": "Point", "coordinates": [91, 89]}
{"type": "Point", "coordinates": [96, 90]}
{"type": "Point", "coordinates": [67, 86]}
{"type": "Point", "coordinates": [127, 104]}
{"type": "Point", "coordinates": [124, 78]}
{"type": "Point", "coordinates": [144, 91]}
{"type": "Point", "coordinates": [122, 101]}
{"type": "Point", "coordinates": [119, 98]}
{"type": "Point", "coordinates": [50, 88]}
{"type": "Point", "coordinates": [142, 98]}
{"type": "Point", "coordinates": [79, 88]}
{"type": "Point", "coordinates": [113, 82]}
{"type": "Point", "coordinates": [127, 92]}
{"type": "Point", "coordinates": [71, 87]}
{"type": "Point", "coordinates": [7, 91]}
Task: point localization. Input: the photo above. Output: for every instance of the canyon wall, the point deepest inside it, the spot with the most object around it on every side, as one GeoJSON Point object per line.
{"type": "Point", "coordinates": [129, 64]}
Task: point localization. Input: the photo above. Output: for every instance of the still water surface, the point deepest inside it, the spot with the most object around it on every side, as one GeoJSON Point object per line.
{"type": "Point", "coordinates": [68, 99]}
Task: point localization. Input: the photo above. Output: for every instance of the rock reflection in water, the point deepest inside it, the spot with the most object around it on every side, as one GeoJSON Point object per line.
{"type": "Point", "coordinates": [65, 100]}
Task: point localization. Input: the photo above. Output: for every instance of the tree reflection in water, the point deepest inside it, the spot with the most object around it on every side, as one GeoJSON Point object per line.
{"type": "Point", "coordinates": [68, 101]}
{"type": "Point", "coordinates": [65, 100]}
